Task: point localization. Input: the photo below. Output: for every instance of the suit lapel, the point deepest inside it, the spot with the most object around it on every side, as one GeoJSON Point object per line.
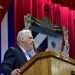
{"type": "Point", "coordinates": [22, 53]}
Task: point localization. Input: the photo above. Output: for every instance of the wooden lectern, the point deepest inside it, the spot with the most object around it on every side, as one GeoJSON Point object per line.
{"type": "Point", "coordinates": [49, 63]}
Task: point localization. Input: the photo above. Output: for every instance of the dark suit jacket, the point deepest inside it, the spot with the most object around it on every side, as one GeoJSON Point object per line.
{"type": "Point", "coordinates": [14, 58]}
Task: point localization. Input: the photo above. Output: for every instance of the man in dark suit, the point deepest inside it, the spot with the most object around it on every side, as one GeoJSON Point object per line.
{"type": "Point", "coordinates": [15, 57]}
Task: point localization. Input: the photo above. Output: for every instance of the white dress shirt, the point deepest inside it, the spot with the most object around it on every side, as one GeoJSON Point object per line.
{"type": "Point", "coordinates": [31, 52]}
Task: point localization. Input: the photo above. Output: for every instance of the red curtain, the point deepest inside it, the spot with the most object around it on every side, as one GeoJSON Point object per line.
{"type": "Point", "coordinates": [69, 3]}
{"type": "Point", "coordinates": [58, 15]}
{"type": "Point", "coordinates": [18, 15]}
{"type": "Point", "coordinates": [5, 5]}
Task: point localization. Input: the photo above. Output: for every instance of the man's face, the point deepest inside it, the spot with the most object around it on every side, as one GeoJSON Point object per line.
{"type": "Point", "coordinates": [28, 42]}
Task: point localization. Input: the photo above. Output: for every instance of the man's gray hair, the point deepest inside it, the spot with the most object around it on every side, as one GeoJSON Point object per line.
{"type": "Point", "coordinates": [23, 34]}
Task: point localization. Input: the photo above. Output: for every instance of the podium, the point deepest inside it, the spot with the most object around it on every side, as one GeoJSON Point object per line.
{"type": "Point", "coordinates": [49, 63]}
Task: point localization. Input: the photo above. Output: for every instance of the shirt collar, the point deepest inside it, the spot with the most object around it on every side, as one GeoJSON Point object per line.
{"type": "Point", "coordinates": [22, 49]}
{"type": "Point", "coordinates": [32, 52]}
{"type": "Point", "coordinates": [25, 52]}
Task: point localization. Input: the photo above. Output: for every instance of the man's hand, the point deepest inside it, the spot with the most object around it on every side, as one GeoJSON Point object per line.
{"type": "Point", "coordinates": [16, 72]}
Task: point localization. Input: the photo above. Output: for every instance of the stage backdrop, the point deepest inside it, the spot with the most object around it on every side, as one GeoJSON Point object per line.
{"type": "Point", "coordinates": [58, 15]}
{"type": "Point", "coordinates": [13, 20]}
